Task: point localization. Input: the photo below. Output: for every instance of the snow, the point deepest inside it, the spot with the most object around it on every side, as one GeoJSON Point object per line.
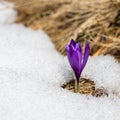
{"type": "Point", "coordinates": [7, 14]}
{"type": "Point", "coordinates": [32, 71]}
{"type": "Point", "coordinates": [105, 71]}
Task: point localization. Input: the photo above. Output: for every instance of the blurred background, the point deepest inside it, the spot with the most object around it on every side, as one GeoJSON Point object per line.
{"type": "Point", "coordinates": [83, 20]}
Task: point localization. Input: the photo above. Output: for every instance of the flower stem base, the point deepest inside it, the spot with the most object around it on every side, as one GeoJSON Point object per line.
{"type": "Point", "coordinates": [76, 86]}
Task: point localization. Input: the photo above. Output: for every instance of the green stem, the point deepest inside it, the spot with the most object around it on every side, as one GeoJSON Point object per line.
{"type": "Point", "coordinates": [76, 85]}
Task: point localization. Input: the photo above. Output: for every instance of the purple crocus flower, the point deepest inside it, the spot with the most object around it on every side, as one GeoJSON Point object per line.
{"type": "Point", "coordinates": [76, 57]}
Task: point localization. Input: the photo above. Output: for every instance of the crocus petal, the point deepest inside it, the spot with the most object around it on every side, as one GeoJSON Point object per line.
{"type": "Point", "coordinates": [79, 50]}
{"type": "Point", "coordinates": [74, 62]}
{"type": "Point", "coordinates": [86, 54]}
{"type": "Point", "coordinates": [72, 56]}
{"type": "Point", "coordinates": [72, 42]}
{"type": "Point", "coordinates": [76, 59]}
{"type": "Point", "coordinates": [72, 49]}
{"type": "Point", "coordinates": [67, 48]}
{"type": "Point", "coordinates": [78, 47]}
{"type": "Point", "coordinates": [79, 62]}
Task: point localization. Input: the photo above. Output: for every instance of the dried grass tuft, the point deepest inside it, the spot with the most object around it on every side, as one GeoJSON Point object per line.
{"type": "Point", "coordinates": [84, 20]}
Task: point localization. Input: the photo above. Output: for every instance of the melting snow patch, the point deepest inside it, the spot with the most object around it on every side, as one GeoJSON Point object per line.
{"type": "Point", "coordinates": [7, 14]}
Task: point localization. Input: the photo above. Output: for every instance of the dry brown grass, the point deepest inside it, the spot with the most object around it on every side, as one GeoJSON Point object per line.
{"type": "Point", "coordinates": [84, 20]}
{"type": "Point", "coordinates": [86, 86]}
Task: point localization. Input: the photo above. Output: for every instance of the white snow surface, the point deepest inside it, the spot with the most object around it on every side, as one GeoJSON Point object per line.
{"type": "Point", "coordinates": [7, 13]}
{"type": "Point", "coordinates": [32, 71]}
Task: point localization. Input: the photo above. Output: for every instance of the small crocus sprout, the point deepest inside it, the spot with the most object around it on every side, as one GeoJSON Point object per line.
{"type": "Point", "coordinates": [77, 59]}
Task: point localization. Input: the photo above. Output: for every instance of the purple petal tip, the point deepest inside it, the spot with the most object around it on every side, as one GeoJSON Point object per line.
{"type": "Point", "coordinates": [72, 42]}
{"type": "Point", "coordinates": [67, 48]}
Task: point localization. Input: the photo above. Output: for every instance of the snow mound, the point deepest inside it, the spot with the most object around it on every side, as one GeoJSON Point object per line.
{"type": "Point", "coordinates": [7, 14]}
{"type": "Point", "coordinates": [105, 71]}
{"type": "Point", "coordinates": [31, 72]}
